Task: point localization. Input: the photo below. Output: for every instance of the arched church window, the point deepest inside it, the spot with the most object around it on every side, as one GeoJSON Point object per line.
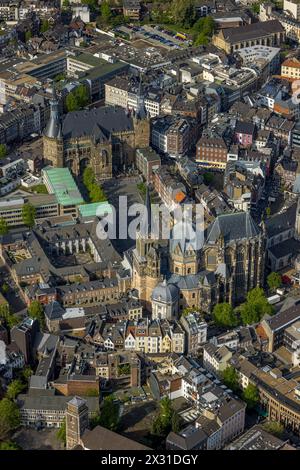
{"type": "Point", "coordinates": [104, 157]}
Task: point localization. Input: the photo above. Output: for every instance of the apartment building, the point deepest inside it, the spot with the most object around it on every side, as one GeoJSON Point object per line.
{"type": "Point", "coordinates": [49, 410]}
{"type": "Point", "coordinates": [292, 7]}
{"type": "Point", "coordinates": [173, 135]}
{"type": "Point", "coordinates": [279, 396]}
{"type": "Point", "coordinates": [215, 359]}
{"type": "Point", "coordinates": [178, 138]}
{"type": "Point", "coordinates": [132, 9]}
{"type": "Point", "coordinates": [290, 68]}
{"type": "Point", "coordinates": [128, 93]}
{"type": "Point", "coordinates": [212, 152]}
{"type": "Point", "coordinates": [196, 332]}
{"type": "Point", "coordinates": [147, 161]}
{"type": "Point", "coordinates": [168, 188]}
{"type": "Point", "coordinates": [46, 206]}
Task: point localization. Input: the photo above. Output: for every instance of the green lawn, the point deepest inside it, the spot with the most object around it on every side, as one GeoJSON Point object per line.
{"type": "Point", "coordinates": [39, 189]}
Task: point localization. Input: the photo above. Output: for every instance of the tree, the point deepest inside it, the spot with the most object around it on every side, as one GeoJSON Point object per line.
{"type": "Point", "coordinates": [274, 280]}
{"type": "Point", "coordinates": [92, 393]}
{"type": "Point", "coordinates": [71, 103]}
{"type": "Point", "coordinates": [78, 98]}
{"type": "Point", "coordinates": [255, 307]}
{"type": "Point", "coordinates": [66, 4]}
{"type": "Point", "coordinates": [3, 150]}
{"type": "Point", "coordinates": [28, 35]}
{"type": "Point", "coordinates": [9, 445]}
{"type": "Point", "coordinates": [36, 311]}
{"type": "Point", "coordinates": [97, 194]}
{"type": "Point", "coordinates": [106, 14]}
{"type": "Point", "coordinates": [61, 433]}
{"type": "Point", "coordinates": [176, 422]}
{"type": "Point", "coordinates": [95, 421]}
{"type": "Point", "coordinates": [205, 25]}
{"type": "Point", "coordinates": [45, 26]}
{"type": "Point", "coordinates": [184, 12]}
{"type": "Point", "coordinates": [14, 389]}
{"type": "Point", "coordinates": [274, 427]}
{"type": "Point", "coordinates": [230, 378]}
{"type": "Point", "coordinates": [251, 396]}
{"type": "Point", "coordinates": [27, 373]}
{"type": "Point", "coordinates": [82, 95]}
{"type": "Point", "coordinates": [5, 288]}
{"type": "Point", "coordinates": [6, 314]}
{"type": "Point", "coordinates": [203, 30]}
{"type": "Point", "coordinates": [3, 226]}
{"type": "Point", "coordinates": [88, 177]}
{"type": "Point", "coordinates": [124, 369]}
{"type": "Point", "coordinates": [255, 8]}
{"type": "Point", "coordinates": [166, 420]}
{"type": "Point", "coordinates": [109, 415]}
{"type": "Point", "coordinates": [223, 315]}
{"type": "Point", "coordinates": [9, 417]}
{"type": "Point", "coordinates": [186, 311]}
{"type": "Point", "coordinates": [208, 178]}
{"type": "Point", "coordinates": [93, 4]}
{"type": "Point", "coordinates": [201, 40]}
{"type": "Point", "coordinates": [28, 214]}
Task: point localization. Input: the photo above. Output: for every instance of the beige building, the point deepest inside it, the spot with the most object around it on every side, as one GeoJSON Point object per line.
{"type": "Point", "coordinates": [116, 92]}
{"type": "Point", "coordinates": [290, 68]}
{"type": "Point", "coordinates": [292, 7]}
{"type": "Point", "coordinates": [103, 138]}
{"type": "Point", "coordinates": [216, 359]}
{"type": "Point", "coordinates": [279, 397]}
{"type": "Point", "coordinates": [266, 33]}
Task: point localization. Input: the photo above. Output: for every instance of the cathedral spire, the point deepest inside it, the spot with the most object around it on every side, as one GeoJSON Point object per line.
{"type": "Point", "coordinates": [53, 128]}
{"type": "Point", "coordinates": [140, 108]}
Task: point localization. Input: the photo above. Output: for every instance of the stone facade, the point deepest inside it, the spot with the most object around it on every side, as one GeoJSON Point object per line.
{"type": "Point", "coordinates": [104, 138]}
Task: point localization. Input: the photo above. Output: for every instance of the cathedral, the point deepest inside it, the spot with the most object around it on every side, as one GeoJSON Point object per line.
{"type": "Point", "coordinates": [171, 275]}
{"type": "Point", "coordinates": [104, 138]}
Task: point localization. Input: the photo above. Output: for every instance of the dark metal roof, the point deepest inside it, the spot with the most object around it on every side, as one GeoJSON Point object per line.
{"type": "Point", "coordinates": [109, 119]}
{"type": "Point", "coordinates": [234, 226]}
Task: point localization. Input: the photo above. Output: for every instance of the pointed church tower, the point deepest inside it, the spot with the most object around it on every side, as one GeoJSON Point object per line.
{"type": "Point", "coordinates": [146, 257]}
{"type": "Point", "coordinates": [53, 139]}
{"type": "Point", "coordinates": [141, 120]}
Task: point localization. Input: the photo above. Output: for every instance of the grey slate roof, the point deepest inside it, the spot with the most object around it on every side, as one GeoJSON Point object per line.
{"type": "Point", "coordinates": [56, 402]}
{"type": "Point", "coordinates": [192, 281]}
{"type": "Point", "coordinates": [102, 121]}
{"type": "Point", "coordinates": [287, 248]}
{"type": "Point", "coordinates": [164, 292]}
{"type": "Point", "coordinates": [281, 222]}
{"type": "Point", "coordinates": [54, 311]}
{"type": "Point", "coordinates": [187, 440]}
{"type": "Point", "coordinates": [232, 227]}
{"type": "Point", "coordinates": [243, 127]}
{"type": "Point", "coordinates": [252, 31]}
{"type": "Point", "coordinates": [284, 318]}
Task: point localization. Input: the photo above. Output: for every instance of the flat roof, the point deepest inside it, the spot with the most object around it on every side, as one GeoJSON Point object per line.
{"type": "Point", "coordinates": [94, 209]}
{"type": "Point", "coordinates": [62, 184]}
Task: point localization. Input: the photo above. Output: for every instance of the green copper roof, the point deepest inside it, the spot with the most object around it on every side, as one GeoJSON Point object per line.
{"type": "Point", "coordinates": [95, 209]}
{"type": "Point", "coordinates": [60, 182]}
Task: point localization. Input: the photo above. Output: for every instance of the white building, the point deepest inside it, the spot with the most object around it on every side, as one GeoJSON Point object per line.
{"type": "Point", "coordinates": [164, 301]}
{"type": "Point", "coordinates": [292, 7]}
{"type": "Point", "coordinates": [82, 12]}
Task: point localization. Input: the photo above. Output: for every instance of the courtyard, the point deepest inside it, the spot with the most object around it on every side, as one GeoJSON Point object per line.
{"type": "Point", "coordinates": [31, 439]}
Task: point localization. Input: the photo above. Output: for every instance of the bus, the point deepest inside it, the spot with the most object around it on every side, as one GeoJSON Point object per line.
{"type": "Point", "coordinates": [181, 36]}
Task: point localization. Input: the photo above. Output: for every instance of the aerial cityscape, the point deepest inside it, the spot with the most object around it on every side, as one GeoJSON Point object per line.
{"type": "Point", "coordinates": [150, 225]}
